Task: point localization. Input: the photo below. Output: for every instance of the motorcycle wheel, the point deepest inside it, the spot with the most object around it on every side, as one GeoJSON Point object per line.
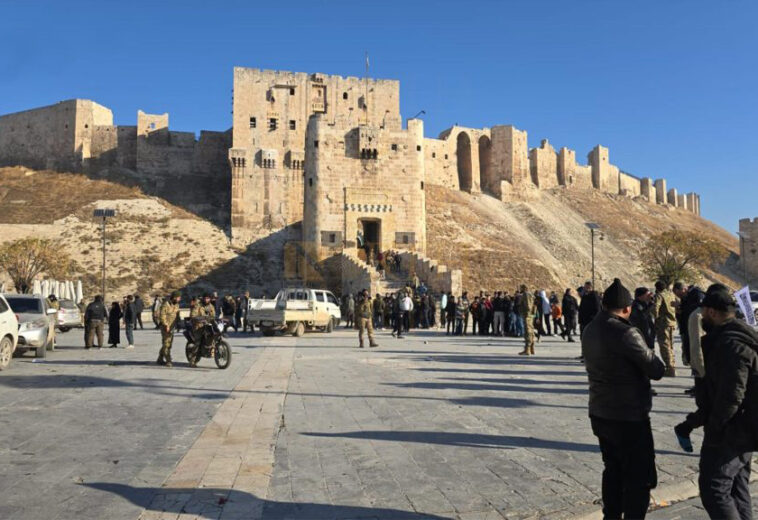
{"type": "Point", "coordinates": [191, 351]}
{"type": "Point", "coordinates": [223, 355]}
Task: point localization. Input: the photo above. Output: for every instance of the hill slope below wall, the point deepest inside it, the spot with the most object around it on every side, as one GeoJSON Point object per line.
{"type": "Point", "coordinates": [545, 242]}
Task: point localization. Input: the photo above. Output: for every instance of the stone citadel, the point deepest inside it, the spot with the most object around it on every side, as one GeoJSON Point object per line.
{"type": "Point", "coordinates": [321, 162]}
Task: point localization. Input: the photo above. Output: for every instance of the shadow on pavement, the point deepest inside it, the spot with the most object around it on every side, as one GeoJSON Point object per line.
{"type": "Point", "coordinates": [472, 440]}
{"type": "Point", "coordinates": [502, 386]}
{"type": "Point", "coordinates": [209, 503]}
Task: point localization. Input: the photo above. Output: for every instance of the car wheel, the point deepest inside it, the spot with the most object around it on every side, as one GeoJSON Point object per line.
{"type": "Point", "coordinates": [330, 326]}
{"type": "Point", "coordinates": [6, 352]}
{"type": "Point", "coordinates": [64, 329]}
{"type": "Point", "coordinates": [267, 331]}
{"type": "Point", "coordinates": [299, 329]}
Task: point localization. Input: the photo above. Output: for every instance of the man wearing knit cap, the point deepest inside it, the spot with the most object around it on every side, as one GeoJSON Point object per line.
{"type": "Point", "coordinates": [728, 403]}
{"type": "Point", "coordinates": [619, 367]}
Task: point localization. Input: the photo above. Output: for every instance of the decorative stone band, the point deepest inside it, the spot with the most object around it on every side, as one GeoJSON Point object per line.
{"type": "Point", "coordinates": [369, 208]}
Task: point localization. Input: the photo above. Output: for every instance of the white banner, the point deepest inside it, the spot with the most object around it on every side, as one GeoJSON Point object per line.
{"type": "Point", "coordinates": [746, 305]}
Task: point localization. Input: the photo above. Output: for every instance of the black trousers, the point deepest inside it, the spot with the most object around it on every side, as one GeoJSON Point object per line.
{"type": "Point", "coordinates": [139, 321]}
{"type": "Point", "coordinates": [725, 482]}
{"type": "Point", "coordinates": [398, 328]}
{"type": "Point", "coordinates": [629, 474]}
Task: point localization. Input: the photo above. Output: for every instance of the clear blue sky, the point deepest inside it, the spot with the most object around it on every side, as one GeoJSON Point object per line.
{"type": "Point", "coordinates": [669, 86]}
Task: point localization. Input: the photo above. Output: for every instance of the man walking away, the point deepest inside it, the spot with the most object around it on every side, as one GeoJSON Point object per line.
{"type": "Point", "coordinates": [443, 311]}
{"type": "Point", "coordinates": [689, 298]}
{"type": "Point", "coordinates": [398, 312]}
{"type": "Point", "coordinates": [665, 320]}
{"type": "Point", "coordinates": [642, 315]}
{"type": "Point", "coordinates": [570, 307]}
{"type": "Point", "coordinates": [526, 306]}
{"type": "Point", "coordinates": [589, 307]}
{"type": "Point", "coordinates": [94, 317]}
{"type": "Point", "coordinates": [730, 406]}
{"type": "Point", "coordinates": [139, 306]}
{"type": "Point", "coordinates": [450, 313]}
{"type": "Point", "coordinates": [168, 316]}
{"type": "Point", "coordinates": [498, 306]}
{"type": "Point", "coordinates": [619, 368]}
{"type": "Point", "coordinates": [130, 319]}
{"type": "Point", "coordinates": [364, 316]}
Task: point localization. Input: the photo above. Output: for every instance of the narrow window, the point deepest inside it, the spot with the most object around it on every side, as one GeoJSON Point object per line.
{"type": "Point", "coordinates": [85, 126]}
{"type": "Point", "coordinates": [252, 122]}
{"type": "Point", "coordinates": [445, 156]}
{"type": "Point", "coordinates": [422, 185]}
{"type": "Point", "coordinates": [272, 123]}
{"type": "Point", "coordinates": [344, 95]}
{"type": "Point", "coordinates": [292, 124]}
{"type": "Point", "coordinates": [434, 154]}
{"type": "Point", "coordinates": [332, 238]}
{"type": "Point", "coordinates": [394, 148]}
{"type": "Point", "coordinates": [315, 144]}
{"type": "Point", "coordinates": [310, 181]}
{"type": "Point", "coordinates": [418, 147]}
{"type": "Point", "coordinates": [292, 92]}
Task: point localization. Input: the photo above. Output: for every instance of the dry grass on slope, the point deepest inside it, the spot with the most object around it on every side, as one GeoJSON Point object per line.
{"type": "Point", "coordinates": [544, 242]}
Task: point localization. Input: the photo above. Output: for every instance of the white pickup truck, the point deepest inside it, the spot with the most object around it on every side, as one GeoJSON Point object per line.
{"type": "Point", "coordinates": [295, 310]}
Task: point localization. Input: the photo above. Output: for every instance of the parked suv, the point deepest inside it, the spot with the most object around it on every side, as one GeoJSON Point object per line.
{"type": "Point", "coordinates": [36, 322]}
{"type": "Point", "coordinates": [68, 316]}
{"type": "Point", "coordinates": [8, 333]}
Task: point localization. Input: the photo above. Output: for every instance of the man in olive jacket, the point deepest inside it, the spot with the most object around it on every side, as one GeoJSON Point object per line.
{"type": "Point", "coordinates": [620, 366]}
{"type": "Point", "coordinates": [728, 402]}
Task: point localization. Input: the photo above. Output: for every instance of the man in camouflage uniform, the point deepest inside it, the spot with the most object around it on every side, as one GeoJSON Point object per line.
{"type": "Point", "coordinates": [665, 322]}
{"type": "Point", "coordinates": [168, 315]}
{"type": "Point", "coordinates": [364, 313]}
{"type": "Point", "coordinates": [526, 308]}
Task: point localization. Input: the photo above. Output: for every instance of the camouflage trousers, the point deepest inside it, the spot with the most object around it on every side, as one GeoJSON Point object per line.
{"type": "Point", "coordinates": [666, 344]}
{"type": "Point", "coordinates": [528, 336]}
{"type": "Point", "coordinates": [167, 339]}
{"type": "Point", "coordinates": [365, 324]}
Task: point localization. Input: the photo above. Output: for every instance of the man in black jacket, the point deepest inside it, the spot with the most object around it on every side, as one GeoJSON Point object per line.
{"type": "Point", "coordinates": [727, 403]}
{"type": "Point", "coordinates": [619, 366]}
{"type": "Point", "coordinates": [589, 307]}
{"type": "Point", "coordinates": [642, 315]}
{"type": "Point", "coordinates": [689, 298]}
{"type": "Point", "coordinates": [94, 316]}
{"type": "Point", "coordinates": [139, 306]}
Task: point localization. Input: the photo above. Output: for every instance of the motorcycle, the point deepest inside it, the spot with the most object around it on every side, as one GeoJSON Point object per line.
{"type": "Point", "coordinates": [212, 343]}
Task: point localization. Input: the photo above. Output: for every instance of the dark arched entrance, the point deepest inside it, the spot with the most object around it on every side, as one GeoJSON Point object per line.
{"type": "Point", "coordinates": [463, 153]}
{"type": "Point", "coordinates": [486, 182]}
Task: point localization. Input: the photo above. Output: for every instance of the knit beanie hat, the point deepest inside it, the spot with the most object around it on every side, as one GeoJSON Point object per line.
{"type": "Point", "coordinates": [616, 296]}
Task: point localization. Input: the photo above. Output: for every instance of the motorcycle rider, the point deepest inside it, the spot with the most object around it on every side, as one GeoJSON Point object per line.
{"type": "Point", "coordinates": [200, 314]}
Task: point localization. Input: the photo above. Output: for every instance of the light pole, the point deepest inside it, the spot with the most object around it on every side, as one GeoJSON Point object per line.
{"type": "Point", "coordinates": [104, 214]}
{"type": "Point", "coordinates": [592, 227]}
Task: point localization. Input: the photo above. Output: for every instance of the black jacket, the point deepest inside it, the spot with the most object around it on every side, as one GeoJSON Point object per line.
{"type": "Point", "coordinates": [690, 303]}
{"type": "Point", "coordinates": [130, 313]}
{"type": "Point", "coordinates": [619, 367]}
{"type": "Point", "coordinates": [95, 311]}
{"type": "Point", "coordinates": [589, 308]}
{"type": "Point", "coordinates": [731, 361]}
{"type": "Point", "coordinates": [643, 319]}
{"type": "Point", "coordinates": [139, 305]}
{"type": "Point", "coordinates": [569, 308]}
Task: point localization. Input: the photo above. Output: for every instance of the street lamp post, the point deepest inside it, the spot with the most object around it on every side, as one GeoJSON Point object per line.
{"type": "Point", "coordinates": [592, 227]}
{"type": "Point", "coordinates": [104, 214]}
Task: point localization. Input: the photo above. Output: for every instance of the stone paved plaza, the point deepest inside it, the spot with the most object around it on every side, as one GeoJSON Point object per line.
{"type": "Point", "coordinates": [429, 426]}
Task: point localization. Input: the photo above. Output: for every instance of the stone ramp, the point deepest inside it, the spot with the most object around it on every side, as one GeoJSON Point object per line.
{"type": "Point", "coordinates": [226, 472]}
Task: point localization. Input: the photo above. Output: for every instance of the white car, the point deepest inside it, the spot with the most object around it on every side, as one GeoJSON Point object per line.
{"type": "Point", "coordinates": [8, 333]}
{"type": "Point", "coordinates": [296, 310]}
{"type": "Point", "coordinates": [36, 322]}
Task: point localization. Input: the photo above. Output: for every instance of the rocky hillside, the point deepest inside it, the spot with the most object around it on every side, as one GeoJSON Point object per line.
{"type": "Point", "coordinates": [156, 246]}
{"type": "Point", "coordinates": [544, 242]}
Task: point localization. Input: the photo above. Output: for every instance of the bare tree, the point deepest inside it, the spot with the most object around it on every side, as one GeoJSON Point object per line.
{"type": "Point", "coordinates": [26, 258]}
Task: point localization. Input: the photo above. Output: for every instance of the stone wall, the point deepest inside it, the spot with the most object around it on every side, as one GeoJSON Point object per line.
{"type": "Point", "coordinates": [749, 250]}
{"type": "Point", "coordinates": [438, 278]}
{"type": "Point", "coordinates": [543, 163]}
